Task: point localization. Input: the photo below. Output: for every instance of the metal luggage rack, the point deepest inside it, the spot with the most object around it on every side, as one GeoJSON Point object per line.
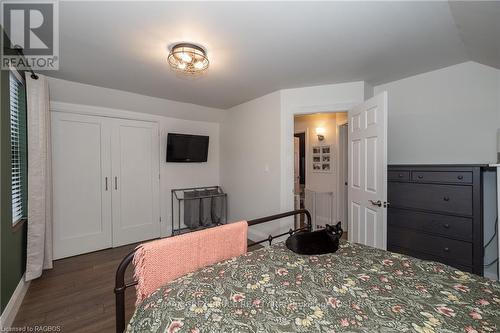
{"type": "Point", "coordinates": [179, 196]}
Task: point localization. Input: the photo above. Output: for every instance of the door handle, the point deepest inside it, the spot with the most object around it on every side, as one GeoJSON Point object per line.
{"type": "Point", "coordinates": [106, 183]}
{"type": "Point", "coordinates": [376, 203]}
{"type": "Point", "coordinates": [116, 183]}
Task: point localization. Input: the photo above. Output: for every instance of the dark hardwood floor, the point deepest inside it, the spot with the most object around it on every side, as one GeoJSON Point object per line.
{"type": "Point", "coordinates": [77, 294]}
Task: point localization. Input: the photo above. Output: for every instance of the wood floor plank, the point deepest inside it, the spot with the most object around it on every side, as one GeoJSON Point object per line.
{"type": "Point", "coordinates": [77, 294]}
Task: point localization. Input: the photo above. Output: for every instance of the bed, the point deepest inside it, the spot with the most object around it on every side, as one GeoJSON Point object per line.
{"type": "Point", "coordinates": [356, 289]}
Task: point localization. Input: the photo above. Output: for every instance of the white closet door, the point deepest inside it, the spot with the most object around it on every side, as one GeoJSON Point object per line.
{"type": "Point", "coordinates": [135, 172]}
{"type": "Point", "coordinates": [82, 199]}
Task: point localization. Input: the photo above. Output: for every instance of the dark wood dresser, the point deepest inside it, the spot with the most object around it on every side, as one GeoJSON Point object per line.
{"type": "Point", "coordinates": [435, 213]}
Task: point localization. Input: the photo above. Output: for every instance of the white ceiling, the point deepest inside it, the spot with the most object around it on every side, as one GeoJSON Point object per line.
{"type": "Point", "coordinates": [256, 48]}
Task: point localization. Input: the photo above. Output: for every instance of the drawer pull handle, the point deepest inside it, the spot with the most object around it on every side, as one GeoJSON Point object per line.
{"type": "Point", "coordinates": [400, 175]}
{"type": "Point", "coordinates": [460, 177]}
{"type": "Point", "coordinates": [446, 249]}
{"type": "Point", "coordinates": [446, 225]}
{"type": "Point", "coordinates": [446, 198]}
{"type": "Point", "coordinates": [420, 177]}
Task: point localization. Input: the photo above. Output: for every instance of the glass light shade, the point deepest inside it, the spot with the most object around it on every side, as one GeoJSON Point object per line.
{"type": "Point", "coordinates": [188, 58]}
{"type": "Point", "coordinates": [320, 131]}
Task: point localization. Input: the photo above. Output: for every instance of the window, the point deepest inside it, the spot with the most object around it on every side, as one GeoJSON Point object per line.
{"type": "Point", "coordinates": [18, 144]}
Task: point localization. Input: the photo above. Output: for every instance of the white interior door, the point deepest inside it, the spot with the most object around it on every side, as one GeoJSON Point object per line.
{"type": "Point", "coordinates": [367, 194]}
{"type": "Point", "coordinates": [135, 177]}
{"type": "Point", "coordinates": [81, 169]}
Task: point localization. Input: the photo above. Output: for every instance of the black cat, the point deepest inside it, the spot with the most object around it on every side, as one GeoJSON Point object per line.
{"type": "Point", "coordinates": [316, 242]}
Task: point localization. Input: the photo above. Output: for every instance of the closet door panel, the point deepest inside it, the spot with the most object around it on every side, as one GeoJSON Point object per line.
{"type": "Point", "coordinates": [135, 169]}
{"type": "Point", "coordinates": [82, 202]}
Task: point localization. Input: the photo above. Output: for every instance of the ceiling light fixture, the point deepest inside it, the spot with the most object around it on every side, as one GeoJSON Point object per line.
{"type": "Point", "coordinates": [188, 58]}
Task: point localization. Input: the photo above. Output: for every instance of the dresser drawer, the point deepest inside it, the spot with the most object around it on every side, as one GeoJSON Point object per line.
{"type": "Point", "coordinates": [457, 177]}
{"type": "Point", "coordinates": [425, 256]}
{"type": "Point", "coordinates": [394, 175]}
{"type": "Point", "coordinates": [453, 199]}
{"type": "Point", "coordinates": [448, 249]}
{"type": "Point", "coordinates": [449, 226]}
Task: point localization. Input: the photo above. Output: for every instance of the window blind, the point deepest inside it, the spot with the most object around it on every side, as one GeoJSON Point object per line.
{"type": "Point", "coordinates": [18, 148]}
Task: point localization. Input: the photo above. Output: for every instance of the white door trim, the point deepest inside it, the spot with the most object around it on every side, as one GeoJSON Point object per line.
{"type": "Point", "coordinates": [341, 171]}
{"type": "Point", "coordinates": [102, 111]}
{"type": "Point", "coordinates": [306, 155]}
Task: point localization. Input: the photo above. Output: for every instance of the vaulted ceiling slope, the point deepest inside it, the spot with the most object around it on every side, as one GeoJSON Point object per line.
{"type": "Point", "coordinates": [259, 47]}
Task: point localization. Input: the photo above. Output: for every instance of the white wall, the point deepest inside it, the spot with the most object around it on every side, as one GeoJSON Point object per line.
{"type": "Point", "coordinates": [172, 175]}
{"type": "Point", "coordinates": [79, 93]}
{"type": "Point", "coordinates": [251, 167]}
{"type": "Point", "coordinates": [450, 115]}
{"type": "Point", "coordinates": [182, 175]}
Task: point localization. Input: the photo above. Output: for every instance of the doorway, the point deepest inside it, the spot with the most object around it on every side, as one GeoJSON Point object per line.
{"type": "Point", "coordinates": [367, 164]}
{"type": "Point", "coordinates": [320, 153]}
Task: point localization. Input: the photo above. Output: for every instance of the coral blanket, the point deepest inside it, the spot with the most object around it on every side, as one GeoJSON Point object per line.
{"type": "Point", "coordinates": [164, 260]}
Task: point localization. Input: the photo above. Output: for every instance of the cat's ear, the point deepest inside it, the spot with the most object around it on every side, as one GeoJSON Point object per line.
{"type": "Point", "coordinates": [338, 225]}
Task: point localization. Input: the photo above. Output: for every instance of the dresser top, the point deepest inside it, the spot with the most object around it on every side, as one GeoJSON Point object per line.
{"type": "Point", "coordinates": [445, 165]}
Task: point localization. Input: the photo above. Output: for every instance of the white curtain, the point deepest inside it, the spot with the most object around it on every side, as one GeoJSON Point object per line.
{"type": "Point", "coordinates": [39, 251]}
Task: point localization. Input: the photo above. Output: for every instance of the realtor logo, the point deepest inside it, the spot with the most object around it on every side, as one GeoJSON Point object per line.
{"type": "Point", "coordinates": [32, 26]}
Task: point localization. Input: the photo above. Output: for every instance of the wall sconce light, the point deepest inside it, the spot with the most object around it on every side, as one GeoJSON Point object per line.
{"type": "Point", "coordinates": [320, 132]}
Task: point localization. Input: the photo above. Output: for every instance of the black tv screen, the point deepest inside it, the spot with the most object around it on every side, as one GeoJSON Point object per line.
{"type": "Point", "coordinates": [187, 148]}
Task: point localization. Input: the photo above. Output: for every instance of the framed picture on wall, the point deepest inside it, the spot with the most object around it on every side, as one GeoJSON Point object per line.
{"type": "Point", "coordinates": [322, 158]}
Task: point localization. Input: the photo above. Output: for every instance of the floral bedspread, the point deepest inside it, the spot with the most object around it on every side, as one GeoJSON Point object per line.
{"type": "Point", "coordinates": [356, 289]}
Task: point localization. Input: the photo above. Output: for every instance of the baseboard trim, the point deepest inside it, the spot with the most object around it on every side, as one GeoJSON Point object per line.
{"type": "Point", "coordinates": [10, 311]}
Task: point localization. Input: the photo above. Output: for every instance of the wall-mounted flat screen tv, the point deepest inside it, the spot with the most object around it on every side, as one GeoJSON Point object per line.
{"type": "Point", "coordinates": [187, 148]}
